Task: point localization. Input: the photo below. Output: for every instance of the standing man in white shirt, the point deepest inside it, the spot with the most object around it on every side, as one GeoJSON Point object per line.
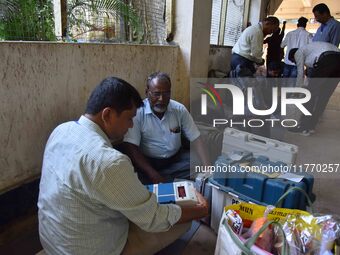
{"type": "Point", "coordinates": [248, 49]}
{"type": "Point", "coordinates": [295, 39]}
{"type": "Point", "coordinates": [91, 201]}
{"type": "Point", "coordinates": [323, 59]}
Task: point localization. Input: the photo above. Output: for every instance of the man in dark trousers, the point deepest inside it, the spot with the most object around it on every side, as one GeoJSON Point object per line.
{"type": "Point", "coordinates": [323, 59]}
{"type": "Point", "coordinates": [248, 49]}
{"type": "Point", "coordinates": [154, 142]}
{"type": "Point", "coordinates": [274, 51]}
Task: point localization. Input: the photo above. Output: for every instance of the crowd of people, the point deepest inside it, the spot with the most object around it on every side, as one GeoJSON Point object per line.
{"type": "Point", "coordinates": [316, 56]}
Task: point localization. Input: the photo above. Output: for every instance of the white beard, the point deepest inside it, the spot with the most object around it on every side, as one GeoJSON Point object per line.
{"type": "Point", "coordinates": [159, 109]}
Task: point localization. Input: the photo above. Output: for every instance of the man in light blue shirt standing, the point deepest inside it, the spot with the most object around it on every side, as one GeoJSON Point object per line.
{"type": "Point", "coordinates": [329, 31]}
{"type": "Point", "coordinates": [154, 143]}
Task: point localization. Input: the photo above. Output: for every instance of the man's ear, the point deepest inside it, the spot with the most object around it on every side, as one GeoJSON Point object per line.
{"type": "Point", "coordinates": [106, 114]}
{"type": "Point", "coordinates": [146, 92]}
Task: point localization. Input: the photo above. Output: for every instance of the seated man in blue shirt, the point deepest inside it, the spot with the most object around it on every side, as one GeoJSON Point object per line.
{"type": "Point", "coordinates": [154, 142]}
{"type": "Point", "coordinates": [329, 31]}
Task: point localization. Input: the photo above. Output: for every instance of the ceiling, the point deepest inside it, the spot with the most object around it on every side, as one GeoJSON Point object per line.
{"type": "Point", "coordinates": [291, 10]}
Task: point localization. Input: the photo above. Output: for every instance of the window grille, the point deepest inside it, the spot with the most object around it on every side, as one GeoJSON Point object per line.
{"type": "Point", "coordinates": [228, 21]}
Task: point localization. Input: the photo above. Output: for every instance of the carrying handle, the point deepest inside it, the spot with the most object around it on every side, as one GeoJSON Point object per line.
{"type": "Point", "coordinates": [279, 202]}
{"type": "Point", "coordinates": [251, 241]}
{"type": "Point", "coordinates": [258, 140]}
{"type": "Point", "coordinates": [236, 240]}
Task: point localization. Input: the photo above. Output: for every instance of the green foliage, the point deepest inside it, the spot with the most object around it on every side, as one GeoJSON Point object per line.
{"type": "Point", "coordinates": [108, 10]}
{"type": "Point", "coordinates": [34, 20]}
{"type": "Point", "coordinates": [30, 20]}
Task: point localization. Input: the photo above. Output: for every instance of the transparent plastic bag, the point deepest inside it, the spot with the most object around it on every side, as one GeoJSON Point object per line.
{"type": "Point", "coordinates": [311, 234]}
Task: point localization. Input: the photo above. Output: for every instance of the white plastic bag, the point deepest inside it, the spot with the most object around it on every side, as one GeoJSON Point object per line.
{"type": "Point", "coordinates": [228, 243]}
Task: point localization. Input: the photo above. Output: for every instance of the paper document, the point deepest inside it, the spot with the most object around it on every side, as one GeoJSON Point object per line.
{"type": "Point", "coordinates": [291, 177]}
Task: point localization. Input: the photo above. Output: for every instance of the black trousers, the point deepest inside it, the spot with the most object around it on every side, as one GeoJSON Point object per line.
{"type": "Point", "coordinates": [175, 167]}
{"type": "Point", "coordinates": [324, 80]}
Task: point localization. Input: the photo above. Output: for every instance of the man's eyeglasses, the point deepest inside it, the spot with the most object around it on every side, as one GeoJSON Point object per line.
{"type": "Point", "coordinates": [157, 94]}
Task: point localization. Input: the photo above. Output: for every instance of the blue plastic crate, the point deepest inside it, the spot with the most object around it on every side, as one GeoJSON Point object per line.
{"type": "Point", "coordinates": [259, 188]}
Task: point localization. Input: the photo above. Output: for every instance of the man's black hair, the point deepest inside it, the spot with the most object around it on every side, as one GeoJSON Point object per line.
{"type": "Point", "coordinates": [302, 22]}
{"type": "Point", "coordinates": [321, 8]}
{"type": "Point", "coordinates": [272, 20]}
{"type": "Point", "coordinates": [291, 54]}
{"type": "Point", "coordinates": [115, 93]}
{"type": "Point", "coordinates": [160, 76]}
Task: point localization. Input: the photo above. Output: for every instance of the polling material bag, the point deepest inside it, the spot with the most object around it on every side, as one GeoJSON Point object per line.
{"type": "Point", "coordinates": [229, 243]}
{"type": "Point", "coordinates": [300, 232]}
